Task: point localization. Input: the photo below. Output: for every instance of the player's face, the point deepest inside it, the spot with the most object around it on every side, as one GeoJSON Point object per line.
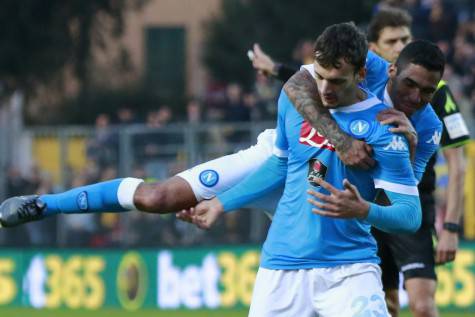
{"type": "Point", "coordinates": [391, 41]}
{"type": "Point", "coordinates": [338, 86]}
{"type": "Point", "coordinates": [411, 88]}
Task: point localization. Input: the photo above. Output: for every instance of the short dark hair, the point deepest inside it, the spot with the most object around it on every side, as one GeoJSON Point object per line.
{"type": "Point", "coordinates": [338, 41]}
{"type": "Point", "coordinates": [391, 17]}
{"type": "Point", "coordinates": [423, 53]}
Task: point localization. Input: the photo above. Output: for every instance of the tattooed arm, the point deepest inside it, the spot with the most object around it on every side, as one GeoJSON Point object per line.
{"type": "Point", "coordinates": [302, 90]}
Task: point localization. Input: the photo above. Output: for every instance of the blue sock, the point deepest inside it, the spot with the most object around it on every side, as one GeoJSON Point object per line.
{"type": "Point", "coordinates": [100, 197]}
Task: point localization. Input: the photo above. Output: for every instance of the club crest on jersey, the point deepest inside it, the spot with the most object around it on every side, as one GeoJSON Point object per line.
{"type": "Point", "coordinates": [209, 178]}
{"type": "Point", "coordinates": [310, 136]}
{"type": "Point", "coordinates": [316, 169]}
{"type": "Point", "coordinates": [359, 127]}
{"type": "Point", "coordinates": [82, 201]}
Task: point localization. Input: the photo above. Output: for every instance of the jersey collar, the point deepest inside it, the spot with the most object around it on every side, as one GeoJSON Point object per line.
{"type": "Point", "coordinates": [387, 100]}
{"type": "Point", "coordinates": [369, 102]}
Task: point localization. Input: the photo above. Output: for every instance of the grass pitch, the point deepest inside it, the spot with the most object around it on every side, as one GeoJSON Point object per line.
{"type": "Point", "coordinates": [22, 312]}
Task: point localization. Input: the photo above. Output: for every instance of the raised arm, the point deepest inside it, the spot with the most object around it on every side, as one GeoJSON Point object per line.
{"type": "Point", "coordinates": [302, 90]}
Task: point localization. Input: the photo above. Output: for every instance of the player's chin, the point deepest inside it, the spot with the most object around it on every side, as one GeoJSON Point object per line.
{"type": "Point", "coordinates": [331, 105]}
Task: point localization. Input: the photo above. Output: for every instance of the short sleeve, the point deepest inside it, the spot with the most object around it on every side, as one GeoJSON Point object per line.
{"type": "Point", "coordinates": [455, 131]}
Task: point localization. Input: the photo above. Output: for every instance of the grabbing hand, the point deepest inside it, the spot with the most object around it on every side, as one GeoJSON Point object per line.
{"type": "Point", "coordinates": [342, 204]}
{"type": "Point", "coordinates": [355, 153]}
{"type": "Point", "coordinates": [204, 215]}
{"type": "Point", "coordinates": [402, 125]}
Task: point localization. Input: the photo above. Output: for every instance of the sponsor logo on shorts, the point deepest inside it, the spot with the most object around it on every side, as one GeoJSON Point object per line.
{"type": "Point", "coordinates": [209, 178]}
{"type": "Point", "coordinates": [310, 136]}
{"type": "Point", "coordinates": [316, 169]}
{"type": "Point", "coordinates": [412, 266]}
{"type": "Point", "coordinates": [359, 127]}
{"type": "Point", "coordinates": [82, 201]}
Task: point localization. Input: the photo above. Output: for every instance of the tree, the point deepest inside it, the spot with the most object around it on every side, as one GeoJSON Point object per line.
{"type": "Point", "coordinates": [277, 25]}
{"type": "Point", "coordinates": [39, 38]}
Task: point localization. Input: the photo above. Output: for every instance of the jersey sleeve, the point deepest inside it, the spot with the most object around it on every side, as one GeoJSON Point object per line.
{"type": "Point", "coordinates": [393, 171]}
{"type": "Point", "coordinates": [455, 132]}
{"type": "Point", "coordinates": [427, 145]}
{"type": "Point", "coordinates": [281, 146]}
{"type": "Point", "coordinates": [376, 72]}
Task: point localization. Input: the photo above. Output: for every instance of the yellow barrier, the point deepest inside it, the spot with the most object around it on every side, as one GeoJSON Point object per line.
{"type": "Point", "coordinates": [469, 212]}
{"type": "Point", "coordinates": [47, 153]}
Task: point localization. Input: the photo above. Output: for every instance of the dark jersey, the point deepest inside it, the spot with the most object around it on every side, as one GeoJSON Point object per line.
{"type": "Point", "coordinates": [454, 132]}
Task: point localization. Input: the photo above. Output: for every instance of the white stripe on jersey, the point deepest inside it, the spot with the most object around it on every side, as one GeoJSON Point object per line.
{"type": "Point", "coordinates": [397, 188]}
{"type": "Point", "coordinates": [279, 152]}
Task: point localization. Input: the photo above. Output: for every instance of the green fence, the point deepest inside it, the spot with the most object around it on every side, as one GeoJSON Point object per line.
{"type": "Point", "coordinates": [168, 279]}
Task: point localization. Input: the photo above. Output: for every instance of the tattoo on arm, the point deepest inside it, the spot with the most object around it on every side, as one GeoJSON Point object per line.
{"type": "Point", "coordinates": [302, 90]}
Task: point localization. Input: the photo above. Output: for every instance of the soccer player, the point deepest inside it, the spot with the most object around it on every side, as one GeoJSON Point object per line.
{"type": "Point", "coordinates": [413, 254]}
{"type": "Point", "coordinates": [311, 260]}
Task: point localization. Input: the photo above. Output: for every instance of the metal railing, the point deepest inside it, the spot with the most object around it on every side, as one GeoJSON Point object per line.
{"type": "Point", "coordinates": [158, 153]}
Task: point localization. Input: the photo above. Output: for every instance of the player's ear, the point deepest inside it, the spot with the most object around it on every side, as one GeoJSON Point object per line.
{"type": "Point", "coordinates": [392, 71]}
{"type": "Point", "coordinates": [372, 46]}
{"type": "Point", "coordinates": [361, 74]}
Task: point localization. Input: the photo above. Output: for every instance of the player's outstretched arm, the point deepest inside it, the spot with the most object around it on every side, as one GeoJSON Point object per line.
{"type": "Point", "coordinates": [302, 90]}
{"type": "Point", "coordinates": [404, 214]}
{"type": "Point", "coordinates": [265, 64]}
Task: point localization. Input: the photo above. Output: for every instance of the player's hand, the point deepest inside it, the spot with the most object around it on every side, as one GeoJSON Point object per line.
{"type": "Point", "coordinates": [402, 125]}
{"type": "Point", "coordinates": [186, 215]}
{"type": "Point", "coordinates": [206, 213]}
{"type": "Point", "coordinates": [341, 204]}
{"type": "Point", "coordinates": [446, 247]}
{"type": "Point", "coordinates": [262, 62]}
{"type": "Point", "coordinates": [355, 153]}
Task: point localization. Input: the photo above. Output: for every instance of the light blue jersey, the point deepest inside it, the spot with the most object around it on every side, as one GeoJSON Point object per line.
{"type": "Point", "coordinates": [298, 238]}
{"type": "Point", "coordinates": [425, 120]}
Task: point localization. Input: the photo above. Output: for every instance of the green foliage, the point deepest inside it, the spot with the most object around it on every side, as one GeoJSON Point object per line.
{"type": "Point", "coordinates": [38, 38]}
{"type": "Point", "coordinates": [276, 25]}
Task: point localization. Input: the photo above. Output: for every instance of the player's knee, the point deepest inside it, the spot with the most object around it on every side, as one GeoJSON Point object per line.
{"type": "Point", "coordinates": [153, 198]}
{"type": "Point", "coordinates": [422, 307]}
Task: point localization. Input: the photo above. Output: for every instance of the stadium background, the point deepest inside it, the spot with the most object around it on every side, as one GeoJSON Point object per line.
{"type": "Point", "coordinates": [173, 88]}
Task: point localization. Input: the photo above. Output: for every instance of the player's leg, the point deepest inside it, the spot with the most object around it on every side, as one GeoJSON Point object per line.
{"type": "Point", "coordinates": [414, 256]}
{"type": "Point", "coordinates": [177, 193]}
{"type": "Point", "coordinates": [216, 176]}
{"type": "Point", "coordinates": [281, 293]}
{"type": "Point", "coordinates": [389, 272]}
{"type": "Point", "coordinates": [349, 290]}
{"type": "Point", "coordinates": [172, 195]}
{"type": "Point", "coordinates": [421, 292]}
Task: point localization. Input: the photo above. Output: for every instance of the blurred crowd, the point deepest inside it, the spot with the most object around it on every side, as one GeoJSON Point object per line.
{"type": "Point", "coordinates": [450, 24]}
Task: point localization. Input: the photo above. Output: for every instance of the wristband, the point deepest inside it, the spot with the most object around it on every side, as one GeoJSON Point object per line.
{"type": "Point", "coordinates": [452, 227]}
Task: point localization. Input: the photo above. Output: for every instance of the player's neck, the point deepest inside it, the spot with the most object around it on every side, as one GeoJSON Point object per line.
{"type": "Point", "coordinates": [358, 95]}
